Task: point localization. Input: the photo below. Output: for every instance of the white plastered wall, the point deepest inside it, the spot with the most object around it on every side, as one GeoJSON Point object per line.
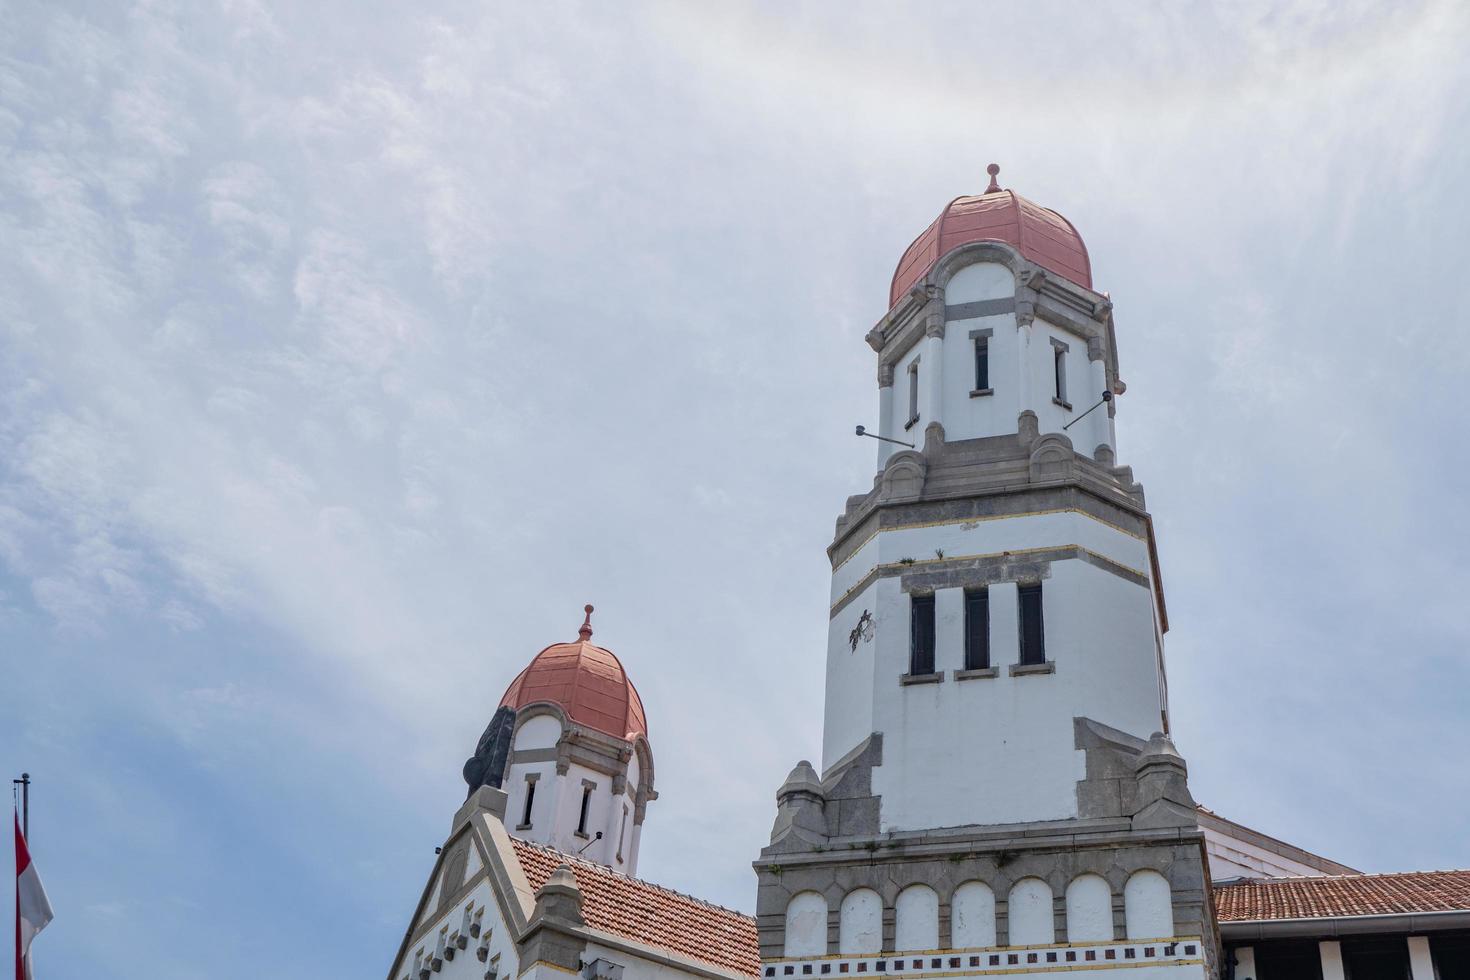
{"type": "Point", "coordinates": [1148, 906]}
{"type": "Point", "coordinates": [806, 925]}
{"type": "Point", "coordinates": [1030, 916]}
{"type": "Point", "coordinates": [916, 919]}
{"type": "Point", "coordinates": [465, 965]}
{"type": "Point", "coordinates": [1001, 749]}
{"type": "Point", "coordinates": [967, 417]}
{"type": "Point", "coordinates": [1091, 431]}
{"type": "Point", "coordinates": [860, 923]}
{"type": "Point", "coordinates": [557, 804]}
{"type": "Point", "coordinates": [1089, 909]}
{"type": "Point", "coordinates": [902, 381]}
{"type": "Point", "coordinates": [848, 717]}
{"type": "Point", "coordinates": [972, 916]}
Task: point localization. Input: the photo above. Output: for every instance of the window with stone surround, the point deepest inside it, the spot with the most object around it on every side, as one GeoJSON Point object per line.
{"type": "Point", "coordinates": [530, 799]}
{"type": "Point", "coordinates": [913, 393]}
{"type": "Point", "coordinates": [1033, 636]}
{"type": "Point", "coordinates": [587, 788]}
{"type": "Point", "coordinates": [982, 363]}
{"type": "Point", "coordinates": [921, 634]}
{"type": "Point", "coordinates": [977, 629]}
{"type": "Point", "coordinates": [1059, 372]}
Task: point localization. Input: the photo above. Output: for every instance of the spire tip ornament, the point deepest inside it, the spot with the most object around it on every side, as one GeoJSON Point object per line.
{"type": "Point", "coordinates": [586, 631]}
{"type": "Point", "coordinates": [993, 170]}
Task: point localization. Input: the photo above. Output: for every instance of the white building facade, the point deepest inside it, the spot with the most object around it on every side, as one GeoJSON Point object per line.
{"type": "Point", "coordinates": [998, 793]}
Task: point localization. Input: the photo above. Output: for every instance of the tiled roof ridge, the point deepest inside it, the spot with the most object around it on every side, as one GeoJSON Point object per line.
{"type": "Point", "coordinates": [604, 869]}
{"type": "Point", "coordinates": [1286, 879]}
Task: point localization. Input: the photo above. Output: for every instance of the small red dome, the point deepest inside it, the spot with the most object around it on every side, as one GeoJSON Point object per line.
{"type": "Point", "coordinates": [1038, 233]}
{"type": "Point", "coordinates": [585, 681]}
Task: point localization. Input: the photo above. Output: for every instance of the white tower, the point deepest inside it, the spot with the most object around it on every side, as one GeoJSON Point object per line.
{"type": "Point", "coordinates": [579, 771]}
{"type": "Point", "coordinates": [996, 769]}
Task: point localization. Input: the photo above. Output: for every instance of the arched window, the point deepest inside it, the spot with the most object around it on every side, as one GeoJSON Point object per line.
{"type": "Point", "coordinates": [1089, 910]}
{"type": "Point", "coordinates": [1148, 906]}
{"type": "Point", "coordinates": [916, 919]}
{"type": "Point", "coordinates": [1029, 913]}
{"type": "Point", "coordinates": [860, 927]}
{"type": "Point", "coordinates": [972, 916]}
{"type": "Point", "coordinates": [806, 925]}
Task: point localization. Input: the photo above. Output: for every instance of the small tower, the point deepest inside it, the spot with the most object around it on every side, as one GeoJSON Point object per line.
{"type": "Point", "coordinates": [576, 764]}
{"type": "Point", "coordinates": [995, 772]}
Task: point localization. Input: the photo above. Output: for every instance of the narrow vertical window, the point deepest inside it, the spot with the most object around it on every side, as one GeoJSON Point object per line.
{"type": "Point", "coordinates": [622, 832]}
{"type": "Point", "coordinates": [587, 789]}
{"type": "Point", "coordinates": [1033, 637]}
{"type": "Point", "coordinates": [982, 363]}
{"type": "Point", "coordinates": [977, 629]}
{"type": "Point", "coordinates": [913, 393]}
{"type": "Point", "coordinates": [1059, 372]}
{"type": "Point", "coordinates": [921, 634]}
{"type": "Point", "coordinates": [530, 799]}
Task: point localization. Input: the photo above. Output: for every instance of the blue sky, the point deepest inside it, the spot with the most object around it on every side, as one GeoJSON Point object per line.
{"type": "Point", "coordinates": [347, 349]}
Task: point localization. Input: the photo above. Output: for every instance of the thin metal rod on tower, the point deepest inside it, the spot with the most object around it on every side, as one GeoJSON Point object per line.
{"type": "Point", "coordinates": [862, 431]}
{"type": "Point", "coordinates": [1107, 397]}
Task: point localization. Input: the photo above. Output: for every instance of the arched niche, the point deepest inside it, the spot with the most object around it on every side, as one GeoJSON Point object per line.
{"type": "Point", "coordinates": [1029, 913]}
{"type": "Point", "coordinates": [979, 280]}
{"type": "Point", "coordinates": [972, 916]}
{"type": "Point", "coordinates": [860, 923]}
{"type": "Point", "coordinates": [916, 919]}
{"type": "Point", "coordinates": [1089, 909]}
{"type": "Point", "coordinates": [806, 925]}
{"type": "Point", "coordinates": [1148, 906]}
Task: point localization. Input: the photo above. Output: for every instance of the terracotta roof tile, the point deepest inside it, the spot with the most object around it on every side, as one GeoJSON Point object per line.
{"type": "Point", "coordinates": [1331, 896]}
{"type": "Point", "coordinates": [1039, 233]}
{"type": "Point", "coordinates": [589, 684]}
{"type": "Point", "coordinates": [649, 913]}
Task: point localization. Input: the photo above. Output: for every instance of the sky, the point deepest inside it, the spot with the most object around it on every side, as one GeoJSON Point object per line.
{"type": "Point", "coordinates": [348, 349]}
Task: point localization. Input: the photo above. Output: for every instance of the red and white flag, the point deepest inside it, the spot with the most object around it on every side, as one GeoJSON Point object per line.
{"type": "Point", "coordinates": [32, 907]}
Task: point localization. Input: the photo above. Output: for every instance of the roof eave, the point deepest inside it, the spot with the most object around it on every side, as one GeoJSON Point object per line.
{"type": "Point", "coordinates": [1237, 930]}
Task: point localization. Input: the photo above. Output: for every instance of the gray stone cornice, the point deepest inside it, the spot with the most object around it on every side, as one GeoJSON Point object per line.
{"type": "Point", "coordinates": [905, 846]}
{"type": "Point", "coordinates": [983, 472]}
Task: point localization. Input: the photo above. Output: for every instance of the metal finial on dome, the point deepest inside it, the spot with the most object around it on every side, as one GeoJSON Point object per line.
{"type": "Point", "coordinates": [586, 631]}
{"type": "Point", "coordinates": [993, 170]}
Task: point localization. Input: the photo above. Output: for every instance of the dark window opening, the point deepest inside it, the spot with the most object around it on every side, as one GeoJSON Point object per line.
{"type": "Point", "coordinates": [921, 635]}
{"type": "Point", "coordinates": [1451, 953]}
{"type": "Point", "coordinates": [982, 363]}
{"type": "Point", "coordinates": [1292, 959]}
{"type": "Point", "coordinates": [1033, 637]}
{"type": "Point", "coordinates": [1376, 959]}
{"type": "Point", "coordinates": [1059, 369]}
{"type": "Point", "coordinates": [530, 798]}
{"type": "Point", "coordinates": [586, 805]}
{"type": "Point", "coordinates": [977, 629]}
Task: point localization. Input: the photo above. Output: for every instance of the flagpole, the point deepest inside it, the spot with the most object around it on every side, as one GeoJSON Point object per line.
{"type": "Point", "coordinates": [25, 804]}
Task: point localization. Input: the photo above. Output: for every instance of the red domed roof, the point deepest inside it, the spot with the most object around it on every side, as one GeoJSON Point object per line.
{"type": "Point", "coordinates": [585, 681]}
{"type": "Point", "coordinates": [1038, 233]}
